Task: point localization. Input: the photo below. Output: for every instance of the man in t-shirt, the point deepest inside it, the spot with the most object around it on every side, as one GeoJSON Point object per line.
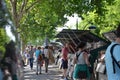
{"type": "Point", "coordinates": [31, 53]}
{"type": "Point", "coordinates": [108, 59]}
{"type": "Point", "coordinates": [46, 59]}
{"type": "Point", "coordinates": [65, 51]}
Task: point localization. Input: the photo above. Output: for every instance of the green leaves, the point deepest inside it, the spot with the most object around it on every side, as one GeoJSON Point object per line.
{"type": "Point", "coordinates": [3, 40]}
{"type": "Point", "coordinates": [105, 16]}
{"type": "Point", "coordinates": [39, 18]}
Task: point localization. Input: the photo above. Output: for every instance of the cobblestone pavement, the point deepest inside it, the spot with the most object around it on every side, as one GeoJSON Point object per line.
{"type": "Point", "coordinates": [54, 73]}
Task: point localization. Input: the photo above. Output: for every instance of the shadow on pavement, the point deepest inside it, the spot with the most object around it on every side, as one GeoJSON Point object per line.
{"type": "Point", "coordinates": [53, 74]}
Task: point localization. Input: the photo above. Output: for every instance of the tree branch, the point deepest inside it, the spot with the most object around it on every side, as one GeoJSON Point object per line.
{"type": "Point", "coordinates": [32, 5]}
{"type": "Point", "coordinates": [18, 15]}
{"type": "Point", "coordinates": [26, 10]}
{"type": "Point", "coordinates": [14, 11]}
{"type": "Point", "coordinates": [23, 5]}
{"type": "Point", "coordinates": [11, 1]}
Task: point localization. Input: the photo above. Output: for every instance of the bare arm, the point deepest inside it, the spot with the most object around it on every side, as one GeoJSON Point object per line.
{"type": "Point", "coordinates": [74, 59]}
{"type": "Point", "coordinates": [86, 58]}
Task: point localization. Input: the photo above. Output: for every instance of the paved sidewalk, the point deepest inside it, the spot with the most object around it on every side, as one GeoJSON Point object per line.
{"type": "Point", "coordinates": [54, 73]}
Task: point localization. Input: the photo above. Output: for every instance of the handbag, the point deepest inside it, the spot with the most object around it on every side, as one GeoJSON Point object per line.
{"type": "Point", "coordinates": [82, 74]}
{"type": "Point", "coordinates": [100, 67]}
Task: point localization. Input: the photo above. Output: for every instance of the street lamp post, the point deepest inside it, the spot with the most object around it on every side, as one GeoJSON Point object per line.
{"type": "Point", "coordinates": [92, 27]}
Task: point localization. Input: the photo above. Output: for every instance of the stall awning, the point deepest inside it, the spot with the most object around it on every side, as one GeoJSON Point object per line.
{"type": "Point", "coordinates": [110, 36]}
{"type": "Point", "coordinates": [75, 36]}
{"type": "Point", "coordinates": [78, 35]}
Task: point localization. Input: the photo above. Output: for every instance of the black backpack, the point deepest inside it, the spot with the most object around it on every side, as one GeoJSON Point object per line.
{"type": "Point", "coordinates": [113, 58]}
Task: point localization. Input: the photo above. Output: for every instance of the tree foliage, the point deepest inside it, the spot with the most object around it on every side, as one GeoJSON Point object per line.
{"type": "Point", "coordinates": [106, 22]}
{"type": "Point", "coordinates": [36, 19]}
{"type": "Point", "coordinates": [3, 22]}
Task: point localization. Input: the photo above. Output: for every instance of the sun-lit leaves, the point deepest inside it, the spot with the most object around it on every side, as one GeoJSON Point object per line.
{"type": "Point", "coordinates": [39, 18]}
{"type": "Point", "coordinates": [3, 39]}
{"type": "Point", "coordinates": [105, 21]}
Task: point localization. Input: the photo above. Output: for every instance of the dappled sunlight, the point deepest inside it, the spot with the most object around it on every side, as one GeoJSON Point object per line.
{"type": "Point", "coordinates": [54, 73]}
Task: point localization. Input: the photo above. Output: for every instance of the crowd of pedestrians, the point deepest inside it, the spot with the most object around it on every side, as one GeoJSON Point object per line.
{"type": "Point", "coordinates": [108, 61]}
{"type": "Point", "coordinates": [107, 67]}
{"type": "Point", "coordinates": [40, 55]}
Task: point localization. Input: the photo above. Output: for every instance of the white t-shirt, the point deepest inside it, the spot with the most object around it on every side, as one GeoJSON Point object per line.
{"type": "Point", "coordinates": [46, 52]}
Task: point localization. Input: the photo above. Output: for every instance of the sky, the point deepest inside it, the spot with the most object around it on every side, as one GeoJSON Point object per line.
{"type": "Point", "coordinates": [71, 22]}
{"type": "Point", "coordinates": [9, 33]}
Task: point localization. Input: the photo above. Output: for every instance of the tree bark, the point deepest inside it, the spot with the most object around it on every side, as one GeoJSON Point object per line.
{"type": "Point", "coordinates": [18, 15]}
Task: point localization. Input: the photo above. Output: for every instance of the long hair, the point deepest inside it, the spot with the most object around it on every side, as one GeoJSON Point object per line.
{"type": "Point", "coordinates": [82, 44]}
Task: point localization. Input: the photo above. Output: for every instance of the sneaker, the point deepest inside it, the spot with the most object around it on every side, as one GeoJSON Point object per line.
{"type": "Point", "coordinates": [36, 73]}
{"type": "Point", "coordinates": [40, 73]}
{"type": "Point", "coordinates": [46, 71]}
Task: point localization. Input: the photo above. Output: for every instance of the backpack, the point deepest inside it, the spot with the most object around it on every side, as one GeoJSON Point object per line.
{"type": "Point", "coordinates": [40, 57]}
{"type": "Point", "coordinates": [113, 58]}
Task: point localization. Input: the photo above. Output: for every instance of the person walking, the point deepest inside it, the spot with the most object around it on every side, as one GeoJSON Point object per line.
{"type": "Point", "coordinates": [81, 71]}
{"type": "Point", "coordinates": [65, 51]}
{"type": "Point", "coordinates": [57, 57]}
{"type": "Point", "coordinates": [113, 71]}
{"type": "Point", "coordinates": [51, 55]}
{"type": "Point", "coordinates": [46, 58]}
{"type": "Point", "coordinates": [26, 54]}
{"type": "Point", "coordinates": [100, 69]}
{"type": "Point", "coordinates": [31, 59]}
{"type": "Point", "coordinates": [38, 61]}
{"type": "Point", "coordinates": [42, 52]}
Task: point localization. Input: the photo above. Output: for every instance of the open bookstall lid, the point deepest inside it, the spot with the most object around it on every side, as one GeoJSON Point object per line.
{"type": "Point", "coordinates": [110, 36]}
{"type": "Point", "coordinates": [75, 36]}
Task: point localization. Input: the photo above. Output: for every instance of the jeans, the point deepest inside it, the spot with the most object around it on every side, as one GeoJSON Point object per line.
{"type": "Point", "coordinates": [31, 63]}
{"type": "Point", "coordinates": [39, 67]}
{"type": "Point", "coordinates": [56, 61]}
{"type": "Point", "coordinates": [46, 64]}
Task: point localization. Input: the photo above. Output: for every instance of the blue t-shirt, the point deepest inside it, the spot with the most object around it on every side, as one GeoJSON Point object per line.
{"type": "Point", "coordinates": [37, 53]}
{"type": "Point", "coordinates": [108, 62]}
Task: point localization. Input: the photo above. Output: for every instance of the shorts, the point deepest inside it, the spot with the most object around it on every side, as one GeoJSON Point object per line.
{"type": "Point", "coordinates": [64, 64]}
{"type": "Point", "coordinates": [81, 67]}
